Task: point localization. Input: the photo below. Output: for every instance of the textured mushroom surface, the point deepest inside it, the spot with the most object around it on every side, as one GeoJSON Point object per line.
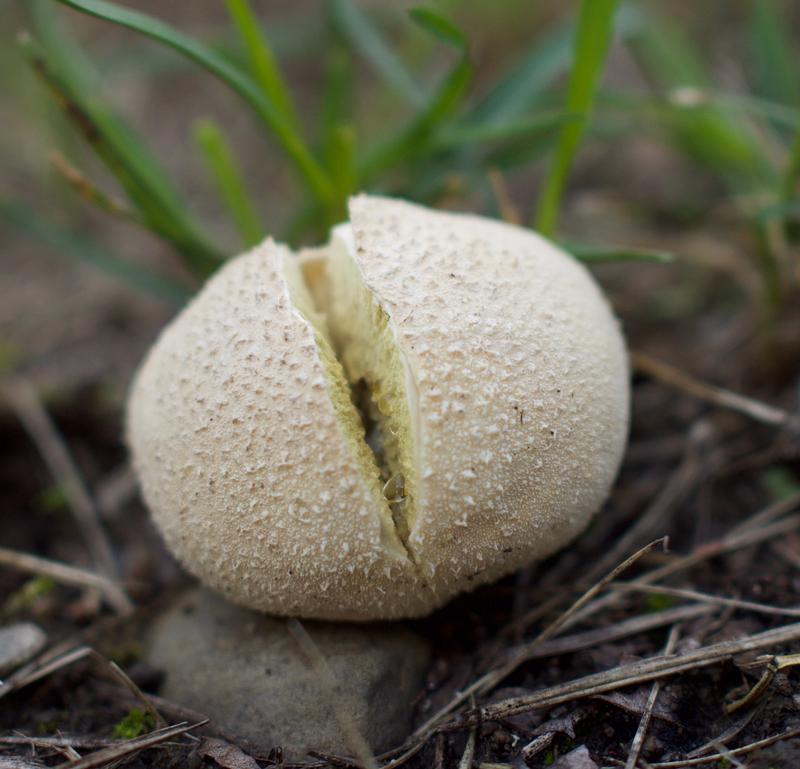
{"type": "Point", "coordinates": [365, 430]}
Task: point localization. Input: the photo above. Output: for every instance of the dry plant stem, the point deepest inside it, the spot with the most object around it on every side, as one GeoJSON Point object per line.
{"type": "Point", "coordinates": [128, 683]}
{"type": "Point", "coordinates": [703, 553]}
{"type": "Point", "coordinates": [69, 575]}
{"type": "Point", "coordinates": [41, 669]}
{"type": "Point", "coordinates": [438, 756]}
{"type": "Point", "coordinates": [64, 741]}
{"type": "Point", "coordinates": [735, 752]}
{"type": "Point", "coordinates": [768, 514]}
{"type": "Point", "coordinates": [635, 673]}
{"type": "Point", "coordinates": [750, 407]}
{"type": "Point", "coordinates": [469, 751]}
{"type": "Point", "coordinates": [30, 412]}
{"type": "Point", "coordinates": [644, 723]}
{"type": "Point", "coordinates": [488, 681]}
{"type": "Point", "coordinates": [353, 737]}
{"type": "Point", "coordinates": [656, 516]}
{"type": "Point", "coordinates": [694, 595]}
{"type": "Point", "coordinates": [505, 203]}
{"type": "Point", "coordinates": [87, 190]}
{"type": "Point", "coordinates": [725, 737]}
{"type": "Point", "coordinates": [117, 752]}
{"type": "Point", "coordinates": [634, 626]}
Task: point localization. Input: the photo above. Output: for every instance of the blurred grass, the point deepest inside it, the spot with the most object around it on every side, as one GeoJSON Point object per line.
{"type": "Point", "coordinates": [592, 38]}
{"type": "Point", "coordinates": [444, 132]}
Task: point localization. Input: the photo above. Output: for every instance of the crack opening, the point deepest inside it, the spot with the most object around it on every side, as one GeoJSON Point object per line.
{"type": "Point", "coordinates": [368, 379]}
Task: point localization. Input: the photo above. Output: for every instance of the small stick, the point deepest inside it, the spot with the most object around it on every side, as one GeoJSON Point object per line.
{"type": "Point", "coordinates": [58, 742]}
{"type": "Point", "coordinates": [634, 673]}
{"type": "Point", "coordinates": [129, 684]}
{"type": "Point", "coordinates": [88, 189]}
{"type": "Point", "coordinates": [38, 670]}
{"type": "Point", "coordinates": [750, 407]}
{"type": "Point", "coordinates": [114, 595]}
{"type": "Point", "coordinates": [733, 752]}
{"type": "Point", "coordinates": [30, 412]}
{"type": "Point", "coordinates": [353, 737]}
{"type": "Point", "coordinates": [592, 638]}
{"type": "Point", "coordinates": [508, 209]}
{"type": "Point", "coordinates": [768, 514]}
{"type": "Point", "coordinates": [679, 485]}
{"type": "Point", "coordinates": [726, 736]}
{"type": "Point", "coordinates": [726, 544]}
{"type": "Point", "coordinates": [493, 677]}
{"type": "Point", "coordinates": [116, 752]}
{"type": "Point", "coordinates": [694, 595]}
{"type": "Point", "coordinates": [469, 750]}
{"type": "Point", "coordinates": [644, 723]}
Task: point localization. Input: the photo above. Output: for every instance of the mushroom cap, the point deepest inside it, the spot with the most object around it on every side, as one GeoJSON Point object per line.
{"type": "Point", "coordinates": [514, 415]}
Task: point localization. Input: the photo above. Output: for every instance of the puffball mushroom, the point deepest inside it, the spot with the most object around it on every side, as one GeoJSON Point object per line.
{"type": "Point", "coordinates": [363, 431]}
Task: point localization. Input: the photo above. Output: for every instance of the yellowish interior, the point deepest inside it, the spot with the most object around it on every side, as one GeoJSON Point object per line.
{"type": "Point", "coordinates": [367, 377]}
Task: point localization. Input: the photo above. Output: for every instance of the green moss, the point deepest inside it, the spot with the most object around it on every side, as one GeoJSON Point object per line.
{"type": "Point", "coordinates": [51, 500]}
{"type": "Point", "coordinates": [656, 602]}
{"type": "Point", "coordinates": [136, 723]}
{"type": "Point", "coordinates": [24, 598]}
{"type": "Point", "coordinates": [44, 728]}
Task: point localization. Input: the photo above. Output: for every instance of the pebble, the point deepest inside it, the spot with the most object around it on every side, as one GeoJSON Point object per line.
{"type": "Point", "coordinates": [248, 674]}
{"type": "Point", "coordinates": [18, 644]}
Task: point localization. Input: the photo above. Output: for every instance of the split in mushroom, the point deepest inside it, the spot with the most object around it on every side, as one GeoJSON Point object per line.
{"type": "Point", "coordinates": [370, 383]}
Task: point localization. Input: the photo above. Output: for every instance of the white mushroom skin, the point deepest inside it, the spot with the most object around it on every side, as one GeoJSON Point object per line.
{"type": "Point", "coordinates": [493, 370]}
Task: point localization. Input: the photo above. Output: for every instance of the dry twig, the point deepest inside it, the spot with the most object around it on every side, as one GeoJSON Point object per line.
{"type": "Point", "coordinates": [489, 680]}
{"type": "Point", "coordinates": [695, 595]}
{"type": "Point", "coordinates": [114, 595]}
{"type": "Point", "coordinates": [736, 752]}
{"type": "Point", "coordinates": [644, 723]}
{"type": "Point", "coordinates": [116, 752]}
{"type": "Point", "coordinates": [750, 407]}
{"type": "Point", "coordinates": [635, 673]}
{"type": "Point", "coordinates": [30, 412]}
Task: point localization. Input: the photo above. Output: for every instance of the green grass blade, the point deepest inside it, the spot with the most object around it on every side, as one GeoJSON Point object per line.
{"type": "Point", "coordinates": [228, 179]}
{"type": "Point", "coordinates": [262, 60]}
{"type": "Point", "coordinates": [592, 39]}
{"type": "Point", "coordinates": [337, 134]}
{"type": "Point", "coordinates": [341, 153]}
{"type": "Point", "coordinates": [66, 243]}
{"type": "Point", "coordinates": [67, 64]}
{"type": "Point", "coordinates": [486, 133]}
{"type": "Point", "coordinates": [701, 129]}
{"type": "Point", "coordinates": [288, 138]}
{"type": "Point", "coordinates": [774, 61]}
{"type": "Point", "coordinates": [411, 140]}
{"type": "Point", "coordinates": [601, 254]}
{"type": "Point", "coordinates": [363, 36]}
{"type": "Point", "coordinates": [528, 78]}
{"type": "Point", "coordinates": [159, 210]}
{"type": "Point", "coordinates": [439, 27]}
{"type": "Point", "coordinates": [791, 174]}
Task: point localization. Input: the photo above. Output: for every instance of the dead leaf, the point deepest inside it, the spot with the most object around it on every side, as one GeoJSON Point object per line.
{"type": "Point", "coordinates": [226, 755]}
{"type": "Point", "coordinates": [562, 724]}
{"type": "Point", "coordinates": [635, 702]}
